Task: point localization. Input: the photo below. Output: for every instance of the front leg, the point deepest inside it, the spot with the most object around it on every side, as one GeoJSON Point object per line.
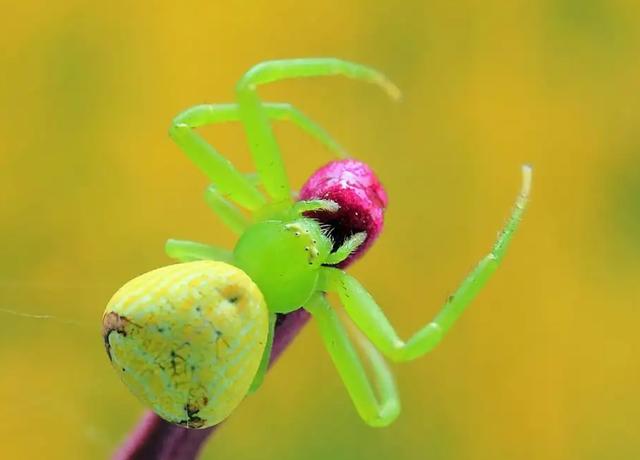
{"type": "Point", "coordinates": [208, 114]}
{"type": "Point", "coordinates": [262, 142]}
{"type": "Point", "coordinates": [375, 410]}
{"type": "Point", "coordinates": [368, 316]}
{"type": "Point", "coordinates": [188, 251]}
{"type": "Point", "coordinates": [230, 215]}
{"type": "Point", "coordinates": [266, 356]}
{"type": "Point", "coordinates": [346, 249]}
{"type": "Point", "coordinates": [300, 207]}
{"type": "Point", "coordinates": [231, 182]}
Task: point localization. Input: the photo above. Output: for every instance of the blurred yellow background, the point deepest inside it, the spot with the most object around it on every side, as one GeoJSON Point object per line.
{"type": "Point", "coordinates": [544, 363]}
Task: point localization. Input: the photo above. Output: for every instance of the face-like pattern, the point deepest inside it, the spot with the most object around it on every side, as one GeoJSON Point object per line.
{"type": "Point", "coordinates": [187, 339]}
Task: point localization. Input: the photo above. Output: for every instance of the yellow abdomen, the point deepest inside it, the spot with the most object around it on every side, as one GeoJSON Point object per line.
{"type": "Point", "coordinates": [187, 339]}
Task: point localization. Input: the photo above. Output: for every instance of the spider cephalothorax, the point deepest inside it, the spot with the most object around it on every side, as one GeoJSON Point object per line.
{"type": "Point", "coordinates": [286, 282]}
{"type": "Point", "coordinates": [192, 339]}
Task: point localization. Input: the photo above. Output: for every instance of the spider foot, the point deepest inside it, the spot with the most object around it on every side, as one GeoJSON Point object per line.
{"type": "Point", "coordinates": [315, 205]}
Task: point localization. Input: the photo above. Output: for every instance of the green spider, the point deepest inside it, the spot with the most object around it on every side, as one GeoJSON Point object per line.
{"type": "Point", "coordinates": [192, 339]}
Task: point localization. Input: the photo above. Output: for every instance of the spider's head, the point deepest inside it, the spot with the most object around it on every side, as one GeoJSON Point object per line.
{"type": "Point", "coordinates": [283, 258]}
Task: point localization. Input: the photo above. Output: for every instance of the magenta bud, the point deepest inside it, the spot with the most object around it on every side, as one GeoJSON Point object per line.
{"type": "Point", "coordinates": [362, 199]}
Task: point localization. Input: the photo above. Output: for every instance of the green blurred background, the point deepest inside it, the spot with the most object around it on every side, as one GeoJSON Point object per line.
{"type": "Point", "coordinates": [543, 365]}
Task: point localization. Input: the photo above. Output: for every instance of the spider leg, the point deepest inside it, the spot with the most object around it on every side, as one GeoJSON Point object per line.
{"type": "Point", "coordinates": [217, 168]}
{"type": "Point", "coordinates": [301, 207]}
{"type": "Point", "coordinates": [227, 211]}
{"type": "Point", "coordinates": [188, 251]}
{"type": "Point", "coordinates": [266, 356]}
{"type": "Point", "coordinates": [368, 316]}
{"type": "Point", "coordinates": [378, 410]}
{"type": "Point", "coordinates": [228, 180]}
{"type": "Point", "coordinates": [262, 142]}
{"type": "Point", "coordinates": [345, 250]}
{"type": "Point", "coordinates": [206, 114]}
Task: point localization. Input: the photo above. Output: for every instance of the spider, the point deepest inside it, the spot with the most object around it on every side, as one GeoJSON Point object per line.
{"type": "Point", "coordinates": [191, 340]}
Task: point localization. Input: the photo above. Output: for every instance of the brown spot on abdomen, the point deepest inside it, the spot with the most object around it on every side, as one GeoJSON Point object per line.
{"type": "Point", "coordinates": [112, 322]}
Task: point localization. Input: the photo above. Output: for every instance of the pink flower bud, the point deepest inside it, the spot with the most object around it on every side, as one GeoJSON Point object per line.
{"type": "Point", "coordinates": [362, 199]}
